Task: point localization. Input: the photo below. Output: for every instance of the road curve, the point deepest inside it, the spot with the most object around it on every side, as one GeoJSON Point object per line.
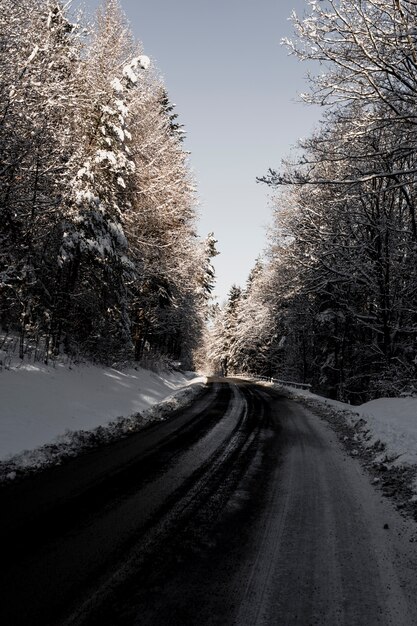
{"type": "Point", "coordinates": [242, 509]}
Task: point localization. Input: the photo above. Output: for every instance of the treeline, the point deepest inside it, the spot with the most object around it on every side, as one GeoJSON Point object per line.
{"type": "Point", "coordinates": [334, 303]}
{"type": "Point", "coordinates": [98, 248]}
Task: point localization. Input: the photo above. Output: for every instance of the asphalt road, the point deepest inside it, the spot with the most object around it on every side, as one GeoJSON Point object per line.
{"type": "Point", "coordinates": [242, 509]}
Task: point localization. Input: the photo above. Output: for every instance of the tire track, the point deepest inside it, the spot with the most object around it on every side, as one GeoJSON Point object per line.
{"type": "Point", "coordinates": [185, 517]}
{"type": "Point", "coordinates": [52, 556]}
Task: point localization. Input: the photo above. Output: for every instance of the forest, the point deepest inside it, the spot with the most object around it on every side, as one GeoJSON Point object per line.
{"type": "Point", "coordinates": [99, 252]}
{"type": "Point", "coordinates": [333, 302]}
{"type": "Point", "coordinates": [99, 255]}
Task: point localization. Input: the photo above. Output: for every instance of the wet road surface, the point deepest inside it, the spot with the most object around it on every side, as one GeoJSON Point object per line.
{"type": "Point", "coordinates": [242, 509]}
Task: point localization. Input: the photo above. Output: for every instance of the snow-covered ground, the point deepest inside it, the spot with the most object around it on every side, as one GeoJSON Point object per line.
{"type": "Point", "coordinates": [392, 421]}
{"type": "Point", "coordinates": [389, 421]}
{"type": "Point", "coordinates": [43, 406]}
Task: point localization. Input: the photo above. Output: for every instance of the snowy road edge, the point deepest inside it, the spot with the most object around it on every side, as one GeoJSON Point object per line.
{"type": "Point", "coordinates": [396, 481]}
{"type": "Point", "coordinates": [72, 443]}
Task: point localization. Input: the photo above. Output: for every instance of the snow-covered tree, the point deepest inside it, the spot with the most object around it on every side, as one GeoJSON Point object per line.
{"type": "Point", "coordinates": [353, 247]}
{"type": "Point", "coordinates": [94, 256]}
{"type": "Point", "coordinates": [367, 50]}
{"type": "Point", "coordinates": [344, 238]}
{"type": "Point", "coordinates": [224, 334]}
{"type": "Point", "coordinates": [38, 84]}
{"type": "Point", "coordinates": [251, 351]}
{"type": "Point", "coordinates": [162, 237]}
{"type": "Point", "coordinates": [97, 218]}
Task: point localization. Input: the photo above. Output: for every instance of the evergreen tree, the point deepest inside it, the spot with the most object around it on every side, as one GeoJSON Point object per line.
{"type": "Point", "coordinates": [97, 217]}
{"type": "Point", "coordinates": [161, 230]}
{"type": "Point", "coordinates": [38, 82]}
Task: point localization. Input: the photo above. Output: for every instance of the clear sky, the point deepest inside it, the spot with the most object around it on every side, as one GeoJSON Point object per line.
{"type": "Point", "coordinates": [235, 88]}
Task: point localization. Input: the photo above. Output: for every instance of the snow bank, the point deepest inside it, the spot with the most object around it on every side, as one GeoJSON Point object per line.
{"type": "Point", "coordinates": [394, 422]}
{"type": "Point", "coordinates": [39, 404]}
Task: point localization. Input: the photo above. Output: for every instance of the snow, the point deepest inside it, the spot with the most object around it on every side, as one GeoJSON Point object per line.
{"type": "Point", "coordinates": [118, 131]}
{"type": "Point", "coordinates": [40, 403]}
{"type": "Point", "coordinates": [391, 421]}
{"type": "Point", "coordinates": [106, 155]}
{"type": "Point", "coordinates": [32, 55]}
{"type": "Point", "coordinates": [86, 196]}
{"type": "Point", "coordinates": [122, 108]}
{"type": "Point", "coordinates": [143, 61]}
{"type": "Point", "coordinates": [117, 85]}
{"type": "Point", "coordinates": [130, 74]}
{"type": "Point", "coordinates": [108, 110]}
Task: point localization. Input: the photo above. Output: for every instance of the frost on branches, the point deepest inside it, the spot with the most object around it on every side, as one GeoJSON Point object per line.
{"type": "Point", "coordinates": [343, 255]}
{"type": "Point", "coordinates": [82, 116]}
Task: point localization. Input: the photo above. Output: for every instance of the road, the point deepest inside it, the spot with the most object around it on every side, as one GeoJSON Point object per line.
{"type": "Point", "coordinates": [243, 509]}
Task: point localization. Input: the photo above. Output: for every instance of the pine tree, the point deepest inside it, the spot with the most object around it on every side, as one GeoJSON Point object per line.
{"type": "Point", "coordinates": [38, 79]}
{"type": "Point", "coordinates": [95, 264]}
{"type": "Point", "coordinates": [161, 231]}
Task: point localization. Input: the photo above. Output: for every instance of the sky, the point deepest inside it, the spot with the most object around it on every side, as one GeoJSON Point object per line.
{"type": "Point", "coordinates": [235, 90]}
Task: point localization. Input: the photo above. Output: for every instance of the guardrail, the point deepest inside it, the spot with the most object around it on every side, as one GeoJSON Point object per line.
{"type": "Point", "coordinates": [287, 383]}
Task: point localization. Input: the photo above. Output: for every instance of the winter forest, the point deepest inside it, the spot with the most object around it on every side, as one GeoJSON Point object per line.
{"type": "Point", "coordinates": [99, 253]}
{"type": "Point", "coordinates": [334, 301]}
{"type": "Point", "coordinates": [99, 256]}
